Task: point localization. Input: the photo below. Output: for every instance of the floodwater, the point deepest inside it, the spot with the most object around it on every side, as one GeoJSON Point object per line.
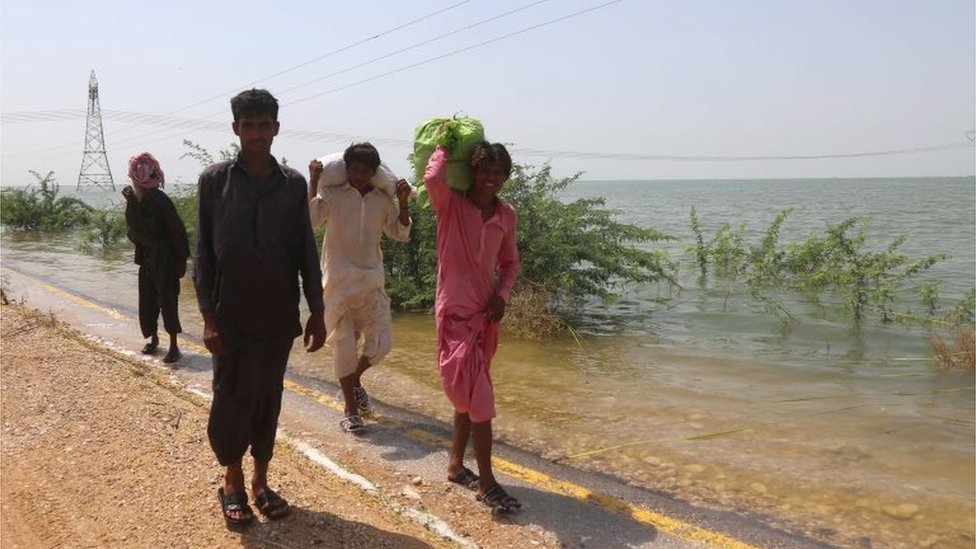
{"type": "Point", "coordinates": [853, 436]}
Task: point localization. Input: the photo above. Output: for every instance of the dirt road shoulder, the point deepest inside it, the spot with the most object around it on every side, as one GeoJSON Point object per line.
{"type": "Point", "coordinates": [101, 451]}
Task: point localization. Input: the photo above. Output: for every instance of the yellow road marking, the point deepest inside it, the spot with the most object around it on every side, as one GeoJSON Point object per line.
{"type": "Point", "coordinates": [70, 297]}
{"type": "Point", "coordinates": [675, 527]}
{"type": "Point", "coordinates": [545, 482]}
{"type": "Point", "coordinates": [317, 396]}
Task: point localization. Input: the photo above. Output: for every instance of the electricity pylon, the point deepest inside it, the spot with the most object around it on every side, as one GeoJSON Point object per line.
{"type": "Point", "coordinates": [95, 171]}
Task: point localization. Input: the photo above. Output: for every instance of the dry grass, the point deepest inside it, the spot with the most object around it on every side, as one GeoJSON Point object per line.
{"type": "Point", "coordinates": [529, 314]}
{"type": "Point", "coordinates": [960, 353]}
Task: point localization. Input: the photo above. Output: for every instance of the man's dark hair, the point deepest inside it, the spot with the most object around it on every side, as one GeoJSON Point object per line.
{"type": "Point", "coordinates": [489, 154]}
{"type": "Point", "coordinates": [254, 102]}
{"type": "Point", "coordinates": [362, 152]}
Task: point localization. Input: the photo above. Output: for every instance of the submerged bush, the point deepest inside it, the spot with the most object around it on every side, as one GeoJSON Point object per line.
{"type": "Point", "coordinates": [569, 252]}
{"type": "Point", "coordinates": [839, 263]}
{"type": "Point", "coordinates": [104, 231]}
{"type": "Point", "coordinates": [41, 208]}
{"type": "Point", "coordinates": [578, 250]}
{"type": "Point", "coordinates": [961, 353]}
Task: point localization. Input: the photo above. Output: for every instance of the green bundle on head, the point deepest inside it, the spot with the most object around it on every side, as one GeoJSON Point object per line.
{"type": "Point", "coordinates": [459, 135]}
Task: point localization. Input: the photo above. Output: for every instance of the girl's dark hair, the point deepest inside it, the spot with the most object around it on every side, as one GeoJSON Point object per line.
{"type": "Point", "coordinates": [254, 102]}
{"type": "Point", "coordinates": [362, 152]}
{"type": "Point", "coordinates": [488, 154]}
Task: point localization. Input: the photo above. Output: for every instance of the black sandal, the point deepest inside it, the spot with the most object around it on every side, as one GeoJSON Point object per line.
{"type": "Point", "coordinates": [235, 503]}
{"type": "Point", "coordinates": [271, 505]}
{"type": "Point", "coordinates": [498, 500]}
{"type": "Point", "coordinates": [150, 348]}
{"type": "Point", "coordinates": [174, 355]}
{"type": "Point", "coordinates": [465, 477]}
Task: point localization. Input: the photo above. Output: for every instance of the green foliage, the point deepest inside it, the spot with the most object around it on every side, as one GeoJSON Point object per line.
{"type": "Point", "coordinates": [929, 293]}
{"type": "Point", "coordinates": [184, 198]}
{"type": "Point", "coordinates": [838, 263]}
{"type": "Point", "coordinates": [766, 261]}
{"type": "Point", "coordinates": [233, 149]}
{"type": "Point", "coordinates": [866, 279]}
{"type": "Point", "coordinates": [965, 311]}
{"type": "Point", "coordinates": [569, 252]}
{"type": "Point", "coordinates": [185, 202]}
{"type": "Point", "coordinates": [701, 251]}
{"type": "Point", "coordinates": [204, 157]}
{"type": "Point", "coordinates": [197, 153]}
{"type": "Point", "coordinates": [577, 250]}
{"type": "Point", "coordinates": [411, 267]}
{"type": "Point", "coordinates": [41, 208]}
{"type": "Point", "coordinates": [728, 252]}
{"type": "Point", "coordinates": [105, 229]}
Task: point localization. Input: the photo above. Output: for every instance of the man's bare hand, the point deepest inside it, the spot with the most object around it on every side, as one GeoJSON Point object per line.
{"type": "Point", "coordinates": [211, 337]}
{"type": "Point", "coordinates": [403, 191]}
{"type": "Point", "coordinates": [315, 332]}
{"type": "Point", "coordinates": [314, 171]}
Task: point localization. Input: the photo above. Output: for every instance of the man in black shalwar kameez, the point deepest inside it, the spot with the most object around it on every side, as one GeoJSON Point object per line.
{"type": "Point", "coordinates": [254, 239]}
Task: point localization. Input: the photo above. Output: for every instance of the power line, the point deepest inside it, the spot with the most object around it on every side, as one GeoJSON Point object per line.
{"type": "Point", "coordinates": [203, 125]}
{"type": "Point", "coordinates": [430, 60]}
{"type": "Point", "coordinates": [325, 55]}
{"type": "Point", "coordinates": [279, 73]}
{"type": "Point", "coordinates": [461, 50]}
{"type": "Point", "coordinates": [42, 116]}
{"type": "Point", "coordinates": [733, 158]}
{"type": "Point", "coordinates": [318, 136]}
{"type": "Point", "coordinates": [391, 54]}
{"type": "Point", "coordinates": [415, 46]}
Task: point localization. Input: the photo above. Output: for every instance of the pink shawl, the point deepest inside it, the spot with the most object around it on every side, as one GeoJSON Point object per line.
{"type": "Point", "coordinates": [145, 172]}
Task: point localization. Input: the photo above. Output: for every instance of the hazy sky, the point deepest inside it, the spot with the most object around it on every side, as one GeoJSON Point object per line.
{"type": "Point", "coordinates": [637, 89]}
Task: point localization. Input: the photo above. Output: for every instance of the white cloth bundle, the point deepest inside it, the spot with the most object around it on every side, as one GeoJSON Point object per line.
{"type": "Point", "coordinates": [334, 173]}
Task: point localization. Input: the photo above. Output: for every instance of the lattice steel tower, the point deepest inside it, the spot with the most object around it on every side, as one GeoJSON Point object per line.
{"type": "Point", "coordinates": [95, 171]}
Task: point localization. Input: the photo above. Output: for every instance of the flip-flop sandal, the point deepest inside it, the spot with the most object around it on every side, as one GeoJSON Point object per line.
{"type": "Point", "coordinates": [235, 503]}
{"type": "Point", "coordinates": [363, 403]}
{"type": "Point", "coordinates": [352, 424]}
{"type": "Point", "coordinates": [498, 500]}
{"type": "Point", "coordinates": [271, 505]}
{"type": "Point", "coordinates": [174, 355]}
{"type": "Point", "coordinates": [465, 477]}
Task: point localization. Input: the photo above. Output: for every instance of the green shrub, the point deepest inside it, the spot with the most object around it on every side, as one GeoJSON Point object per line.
{"type": "Point", "coordinates": [570, 252]}
{"type": "Point", "coordinates": [411, 267]}
{"type": "Point", "coordinates": [204, 157]}
{"type": "Point", "coordinates": [105, 230]}
{"type": "Point", "coordinates": [185, 202]}
{"type": "Point", "coordinates": [839, 263]}
{"type": "Point", "coordinates": [578, 250]}
{"type": "Point", "coordinates": [41, 208]}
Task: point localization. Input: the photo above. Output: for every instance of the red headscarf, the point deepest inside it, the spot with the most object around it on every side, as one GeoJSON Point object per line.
{"type": "Point", "coordinates": [145, 172]}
